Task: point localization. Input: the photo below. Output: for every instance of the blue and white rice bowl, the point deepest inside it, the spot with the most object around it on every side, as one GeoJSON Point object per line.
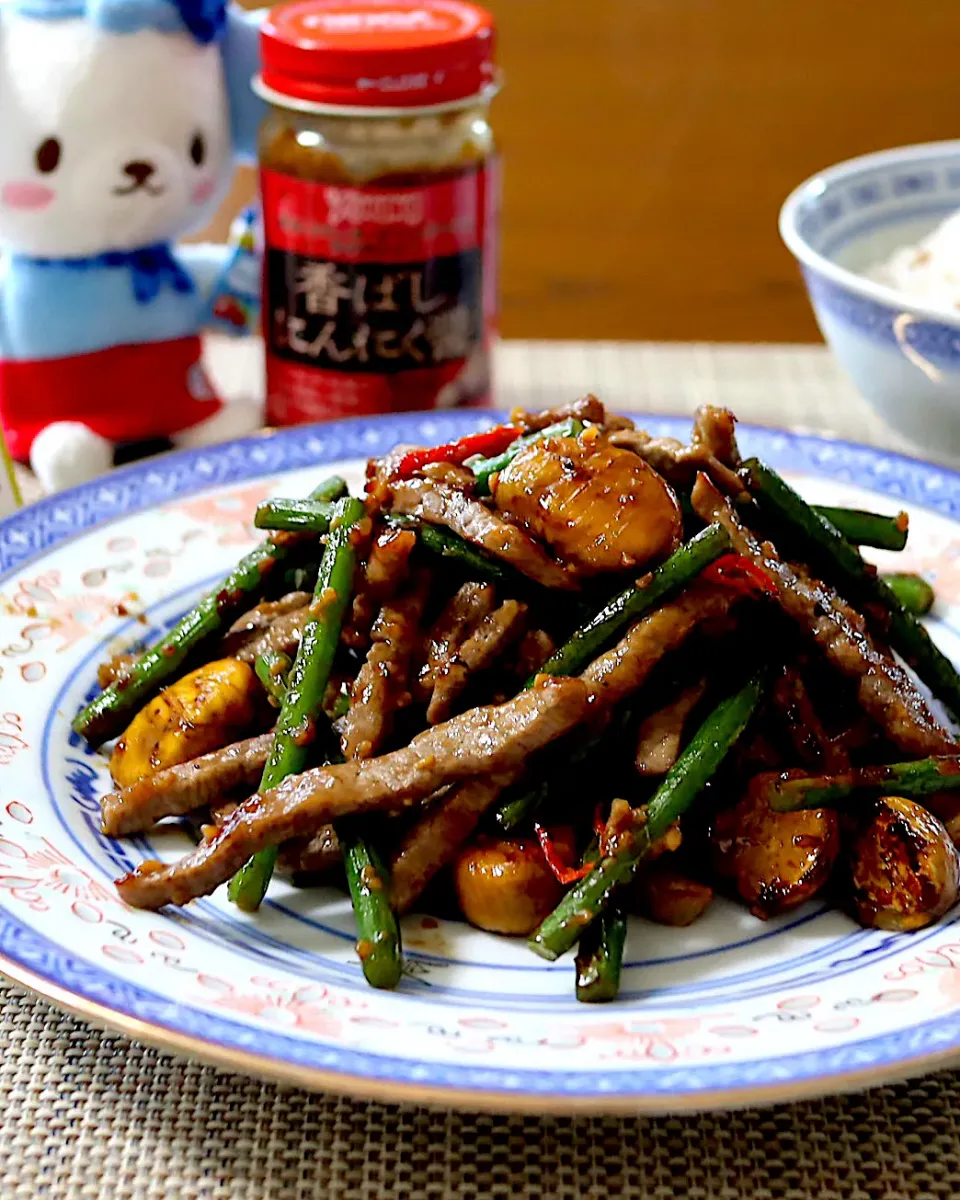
{"type": "Point", "coordinates": [903, 355]}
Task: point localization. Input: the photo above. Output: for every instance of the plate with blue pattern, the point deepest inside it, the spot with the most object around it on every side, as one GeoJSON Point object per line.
{"type": "Point", "coordinates": [730, 1011]}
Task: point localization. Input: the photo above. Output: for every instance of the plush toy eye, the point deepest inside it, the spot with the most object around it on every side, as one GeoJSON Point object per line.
{"type": "Point", "coordinates": [198, 149]}
{"type": "Point", "coordinates": [48, 154]}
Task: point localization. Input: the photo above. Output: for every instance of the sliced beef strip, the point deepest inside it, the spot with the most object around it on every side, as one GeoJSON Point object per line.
{"type": "Point", "coordinates": [381, 470]}
{"type": "Point", "coordinates": [587, 408]}
{"type": "Point", "coordinates": [482, 741]}
{"type": "Point", "coordinates": [220, 810]}
{"type": "Point", "coordinates": [715, 432]}
{"type": "Point", "coordinates": [283, 635]}
{"type": "Point", "coordinates": [388, 564]}
{"type": "Point", "coordinates": [617, 674]}
{"type": "Point", "coordinates": [492, 636]}
{"type": "Point", "coordinates": [885, 690]}
{"type": "Point", "coordinates": [436, 839]}
{"type": "Point", "coordinates": [679, 464]}
{"type": "Point", "coordinates": [621, 670]}
{"type": "Point", "coordinates": [313, 855]}
{"type": "Point", "coordinates": [178, 790]}
{"type": "Point", "coordinates": [381, 688]}
{"type": "Point", "coordinates": [265, 613]}
{"type": "Point", "coordinates": [441, 504]}
{"type": "Point", "coordinates": [241, 639]}
{"type": "Point", "coordinates": [660, 734]}
{"type": "Point", "coordinates": [444, 472]}
{"type": "Point", "coordinates": [535, 648]}
{"type": "Point", "coordinates": [382, 685]}
{"type": "Point", "coordinates": [470, 603]}
{"type": "Point", "coordinates": [257, 620]}
{"type": "Point", "coordinates": [385, 570]}
{"type": "Point", "coordinates": [802, 725]}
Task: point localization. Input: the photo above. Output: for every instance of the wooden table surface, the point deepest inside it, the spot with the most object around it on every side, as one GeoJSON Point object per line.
{"type": "Point", "coordinates": [649, 143]}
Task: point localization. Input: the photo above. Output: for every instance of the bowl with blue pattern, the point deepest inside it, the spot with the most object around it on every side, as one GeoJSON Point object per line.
{"type": "Point", "coordinates": [902, 355]}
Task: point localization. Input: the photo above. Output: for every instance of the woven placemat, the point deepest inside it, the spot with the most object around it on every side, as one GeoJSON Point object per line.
{"type": "Point", "coordinates": [799, 387]}
{"type": "Point", "coordinates": [90, 1115]}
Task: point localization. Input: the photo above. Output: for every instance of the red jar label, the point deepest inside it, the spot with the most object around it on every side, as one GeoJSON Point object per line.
{"type": "Point", "coordinates": [377, 299]}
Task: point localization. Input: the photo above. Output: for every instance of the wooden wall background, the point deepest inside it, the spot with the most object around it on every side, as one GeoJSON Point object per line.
{"type": "Point", "coordinates": [648, 145]}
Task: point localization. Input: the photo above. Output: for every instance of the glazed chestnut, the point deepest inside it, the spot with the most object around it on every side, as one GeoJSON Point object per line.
{"type": "Point", "coordinates": [781, 860]}
{"type": "Point", "coordinates": [599, 507]}
{"type": "Point", "coordinates": [904, 869]}
{"type": "Point", "coordinates": [504, 885]}
{"type": "Point", "coordinates": [204, 710]}
{"type": "Point", "coordinates": [669, 897]}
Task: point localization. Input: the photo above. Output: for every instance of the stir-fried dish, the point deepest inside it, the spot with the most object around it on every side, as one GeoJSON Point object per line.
{"type": "Point", "coordinates": [546, 676]}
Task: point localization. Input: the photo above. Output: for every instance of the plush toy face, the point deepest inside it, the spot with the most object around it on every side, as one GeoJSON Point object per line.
{"type": "Point", "coordinates": [108, 141]}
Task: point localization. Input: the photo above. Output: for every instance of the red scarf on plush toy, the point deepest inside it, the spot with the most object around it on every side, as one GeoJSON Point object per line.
{"type": "Point", "coordinates": [172, 392]}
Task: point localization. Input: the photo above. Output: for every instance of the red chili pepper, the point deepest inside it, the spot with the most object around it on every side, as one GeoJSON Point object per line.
{"type": "Point", "coordinates": [563, 871]}
{"type": "Point", "coordinates": [739, 573]}
{"type": "Point", "coordinates": [599, 821]}
{"type": "Point", "coordinates": [487, 443]}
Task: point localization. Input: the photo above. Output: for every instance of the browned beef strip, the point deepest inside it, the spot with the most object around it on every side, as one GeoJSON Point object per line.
{"type": "Point", "coordinates": [535, 648]}
{"type": "Point", "coordinates": [388, 564]}
{"type": "Point", "coordinates": [385, 570]}
{"type": "Point", "coordinates": [284, 635]}
{"type": "Point", "coordinates": [468, 605]}
{"type": "Point", "coordinates": [441, 504]}
{"type": "Point", "coordinates": [258, 620]}
{"type": "Point", "coordinates": [314, 855]}
{"type": "Point", "coordinates": [435, 840]}
{"type": "Point", "coordinates": [679, 464]}
{"type": "Point", "coordinates": [444, 472]}
{"type": "Point", "coordinates": [885, 690]}
{"type": "Point", "coordinates": [114, 669]}
{"type": "Point", "coordinates": [306, 855]}
{"type": "Point", "coordinates": [178, 790]}
{"type": "Point", "coordinates": [220, 810]}
{"type": "Point", "coordinates": [264, 614]}
{"type": "Point", "coordinates": [715, 432]}
{"type": "Point", "coordinates": [802, 725]}
{"type": "Point", "coordinates": [489, 740]}
{"type": "Point", "coordinates": [383, 682]}
{"type": "Point", "coordinates": [660, 733]}
{"type": "Point", "coordinates": [587, 408]}
{"type": "Point", "coordinates": [483, 647]}
{"type": "Point", "coordinates": [380, 689]}
{"type": "Point", "coordinates": [379, 473]}
{"type": "Point", "coordinates": [621, 670]}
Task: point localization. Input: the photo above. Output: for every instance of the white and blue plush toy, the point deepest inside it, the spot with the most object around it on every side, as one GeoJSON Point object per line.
{"type": "Point", "coordinates": [120, 123]}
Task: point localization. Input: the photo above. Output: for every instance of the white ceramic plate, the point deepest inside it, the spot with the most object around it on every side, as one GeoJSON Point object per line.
{"type": "Point", "coordinates": [731, 1011]}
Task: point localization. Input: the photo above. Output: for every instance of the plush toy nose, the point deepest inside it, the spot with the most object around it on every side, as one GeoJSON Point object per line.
{"type": "Point", "coordinates": [139, 172]}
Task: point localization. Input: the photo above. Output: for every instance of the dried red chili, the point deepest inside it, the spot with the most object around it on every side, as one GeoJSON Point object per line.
{"type": "Point", "coordinates": [564, 872]}
{"type": "Point", "coordinates": [740, 575]}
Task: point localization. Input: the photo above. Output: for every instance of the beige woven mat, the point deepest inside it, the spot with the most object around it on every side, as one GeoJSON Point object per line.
{"type": "Point", "coordinates": [797, 386]}
{"type": "Point", "coordinates": [87, 1115]}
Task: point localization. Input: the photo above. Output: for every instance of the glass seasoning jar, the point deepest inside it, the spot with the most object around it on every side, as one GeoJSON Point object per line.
{"type": "Point", "coordinates": [380, 206]}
